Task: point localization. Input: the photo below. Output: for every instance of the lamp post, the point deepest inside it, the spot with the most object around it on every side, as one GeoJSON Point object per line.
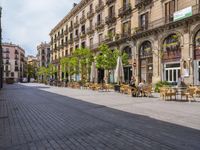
{"type": "Point", "coordinates": [1, 58]}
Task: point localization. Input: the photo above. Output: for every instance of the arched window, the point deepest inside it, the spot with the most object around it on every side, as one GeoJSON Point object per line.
{"type": "Point", "coordinates": [197, 39]}
{"type": "Point", "coordinates": [171, 43]}
{"type": "Point", "coordinates": [146, 49]}
{"type": "Point", "coordinates": [128, 51]}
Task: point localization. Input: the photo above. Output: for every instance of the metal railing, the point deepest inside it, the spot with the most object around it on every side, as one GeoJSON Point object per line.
{"type": "Point", "coordinates": [125, 9]}
{"type": "Point", "coordinates": [167, 20]}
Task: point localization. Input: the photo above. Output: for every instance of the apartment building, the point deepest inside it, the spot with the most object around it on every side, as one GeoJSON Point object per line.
{"type": "Point", "coordinates": [43, 55]}
{"type": "Point", "coordinates": [13, 62]}
{"type": "Point", "coordinates": [161, 37]}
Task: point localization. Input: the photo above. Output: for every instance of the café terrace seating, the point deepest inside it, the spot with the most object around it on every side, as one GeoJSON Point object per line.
{"type": "Point", "coordinates": [190, 92]}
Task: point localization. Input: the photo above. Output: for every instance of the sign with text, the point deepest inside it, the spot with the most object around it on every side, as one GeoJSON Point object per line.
{"type": "Point", "coordinates": [184, 13]}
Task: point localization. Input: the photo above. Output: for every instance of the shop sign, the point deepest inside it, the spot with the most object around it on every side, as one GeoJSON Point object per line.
{"type": "Point", "coordinates": [184, 13]}
{"type": "Point", "coordinates": [186, 72]}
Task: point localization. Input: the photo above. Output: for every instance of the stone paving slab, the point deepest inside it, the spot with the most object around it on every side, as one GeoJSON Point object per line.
{"type": "Point", "coordinates": [38, 117]}
{"type": "Point", "coordinates": [181, 113]}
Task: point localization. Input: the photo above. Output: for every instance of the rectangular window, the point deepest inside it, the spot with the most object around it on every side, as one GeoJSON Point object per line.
{"type": "Point", "coordinates": [144, 21]}
{"type": "Point", "coordinates": [83, 29]}
{"type": "Point", "coordinates": [100, 38]}
{"type": "Point", "coordinates": [91, 42]}
{"type": "Point", "coordinates": [126, 27]}
{"type": "Point", "coordinates": [169, 11]}
{"type": "Point", "coordinates": [111, 11]}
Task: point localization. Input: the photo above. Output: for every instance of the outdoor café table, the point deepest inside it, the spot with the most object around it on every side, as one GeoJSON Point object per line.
{"type": "Point", "coordinates": [179, 90]}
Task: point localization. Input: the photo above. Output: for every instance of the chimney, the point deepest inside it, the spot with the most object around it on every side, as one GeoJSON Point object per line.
{"type": "Point", "coordinates": [74, 5]}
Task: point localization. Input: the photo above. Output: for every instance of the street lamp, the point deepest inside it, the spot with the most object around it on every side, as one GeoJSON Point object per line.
{"type": "Point", "coordinates": [1, 58]}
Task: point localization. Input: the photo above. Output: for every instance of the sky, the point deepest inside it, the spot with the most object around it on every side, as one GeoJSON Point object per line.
{"type": "Point", "coordinates": [27, 23]}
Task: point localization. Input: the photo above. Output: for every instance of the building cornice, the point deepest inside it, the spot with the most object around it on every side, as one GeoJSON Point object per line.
{"type": "Point", "coordinates": [73, 11]}
{"type": "Point", "coordinates": [12, 45]}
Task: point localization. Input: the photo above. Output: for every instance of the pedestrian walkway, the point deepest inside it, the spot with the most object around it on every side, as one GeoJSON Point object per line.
{"type": "Point", "coordinates": [33, 116]}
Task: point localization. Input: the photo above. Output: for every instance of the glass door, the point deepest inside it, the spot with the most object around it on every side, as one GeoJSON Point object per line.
{"type": "Point", "coordinates": [172, 72]}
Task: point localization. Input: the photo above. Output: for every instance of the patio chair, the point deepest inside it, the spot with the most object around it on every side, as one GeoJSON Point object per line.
{"type": "Point", "coordinates": [189, 93]}
{"type": "Point", "coordinates": [166, 93]}
{"type": "Point", "coordinates": [197, 92]}
{"type": "Point", "coordinates": [147, 90]}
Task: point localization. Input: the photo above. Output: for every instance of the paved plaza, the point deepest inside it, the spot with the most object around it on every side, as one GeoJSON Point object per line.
{"type": "Point", "coordinates": [39, 117]}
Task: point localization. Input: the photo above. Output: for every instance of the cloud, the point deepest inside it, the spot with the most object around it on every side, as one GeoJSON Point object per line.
{"type": "Point", "coordinates": [29, 22]}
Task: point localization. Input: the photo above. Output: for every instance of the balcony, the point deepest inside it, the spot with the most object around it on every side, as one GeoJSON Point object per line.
{"type": "Point", "coordinates": [99, 25]}
{"type": "Point", "coordinates": [83, 19]}
{"type": "Point", "coordinates": [83, 35]}
{"type": "Point", "coordinates": [110, 19]}
{"type": "Point", "coordinates": [7, 57]}
{"type": "Point", "coordinates": [142, 3]}
{"type": "Point", "coordinates": [90, 30]}
{"type": "Point", "coordinates": [168, 20]}
{"type": "Point", "coordinates": [108, 2]}
{"type": "Point", "coordinates": [66, 32]}
{"type": "Point", "coordinates": [70, 41]}
{"type": "Point", "coordinates": [71, 28]}
{"type": "Point", "coordinates": [55, 39]}
{"type": "Point", "coordinates": [66, 43]}
{"type": "Point", "coordinates": [99, 7]}
{"type": "Point", "coordinates": [7, 51]}
{"type": "Point", "coordinates": [76, 38]}
{"type": "Point", "coordinates": [61, 35]}
{"type": "Point", "coordinates": [61, 46]}
{"type": "Point", "coordinates": [76, 24]}
{"type": "Point", "coordinates": [90, 14]}
{"type": "Point", "coordinates": [125, 10]}
{"type": "Point", "coordinates": [126, 34]}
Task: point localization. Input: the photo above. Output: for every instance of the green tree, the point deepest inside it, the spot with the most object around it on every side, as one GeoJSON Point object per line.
{"type": "Point", "coordinates": [82, 58]}
{"type": "Point", "coordinates": [51, 69]}
{"type": "Point", "coordinates": [31, 71]}
{"type": "Point", "coordinates": [43, 71]}
{"type": "Point", "coordinates": [107, 58]}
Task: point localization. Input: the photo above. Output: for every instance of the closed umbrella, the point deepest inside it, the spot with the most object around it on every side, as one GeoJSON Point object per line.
{"type": "Point", "coordinates": [119, 71]}
{"type": "Point", "coordinates": [93, 72]}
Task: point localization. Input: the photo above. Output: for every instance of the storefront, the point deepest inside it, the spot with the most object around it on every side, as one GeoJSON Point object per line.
{"type": "Point", "coordinates": [171, 56]}
{"type": "Point", "coordinates": [197, 59]}
{"type": "Point", "coordinates": [146, 62]}
{"type": "Point", "coordinates": [128, 68]}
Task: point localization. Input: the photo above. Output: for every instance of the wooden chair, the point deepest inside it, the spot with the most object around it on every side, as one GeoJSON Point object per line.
{"type": "Point", "coordinates": [166, 93]}
{"type": "Point", "coordinates": [189, 93]}
{"type": "Point", "coordinates": [197, 92]}
{"type": "Point", "coordinates": [147, 90]}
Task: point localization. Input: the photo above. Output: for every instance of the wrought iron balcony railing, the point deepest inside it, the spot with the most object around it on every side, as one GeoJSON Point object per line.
{"type": "Point", "coordinates": [125, 10]}
{"type": "Point", "coordinates": [90, 30]}
{"type": "Point", "coordinates": [110, 19]}
{"type": "Point", "coordinates": [99, 7]}
{"type": "Point", "coordinates": [99, 24]}
{"type": "Point", "coordinates": [83, 19]}
{"type": "Point", "coordinates": [141, 3]}
{"type": "Point", "coordinates": [90, 14]}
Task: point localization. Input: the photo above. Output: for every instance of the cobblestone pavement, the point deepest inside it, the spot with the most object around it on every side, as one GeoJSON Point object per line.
{"type": "Point", "coordinates": [36, 117]}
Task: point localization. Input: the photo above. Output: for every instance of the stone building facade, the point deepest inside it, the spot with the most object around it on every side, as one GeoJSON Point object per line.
{"type": "Point", "coordinates": [161, 37]}
{"type": "Point", "coordinates": [13, 62]}
{"type": "Point", "coordinates": [43, 54]}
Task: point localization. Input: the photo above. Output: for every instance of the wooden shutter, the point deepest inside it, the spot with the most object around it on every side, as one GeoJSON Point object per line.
{"type": "Point", "coordinates": [146, 20]}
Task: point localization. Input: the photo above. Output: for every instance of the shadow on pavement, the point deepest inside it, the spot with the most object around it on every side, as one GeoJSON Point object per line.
{"type": "Point", "coordinates": [97, 124]}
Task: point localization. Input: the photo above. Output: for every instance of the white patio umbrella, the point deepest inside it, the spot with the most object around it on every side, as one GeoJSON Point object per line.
{"type": "Point", "coordinates": [93, 72]}
{"type": "Point", "coordinates": [119, 71]}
